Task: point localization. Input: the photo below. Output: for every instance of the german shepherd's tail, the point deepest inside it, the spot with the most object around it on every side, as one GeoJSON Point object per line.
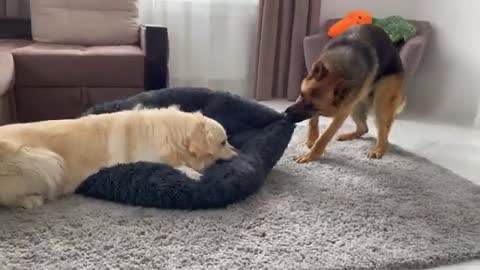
{"type": "Point", "coordinates": [28, 172]}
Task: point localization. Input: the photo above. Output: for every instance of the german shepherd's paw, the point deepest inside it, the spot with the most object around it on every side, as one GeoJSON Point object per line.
{"type": "Point", "coordinates": [376, 153]}
{"type": "Point", "coordinates": [304, 158]}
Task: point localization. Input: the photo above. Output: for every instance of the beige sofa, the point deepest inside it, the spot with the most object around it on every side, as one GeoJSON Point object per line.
{"type": "Point", "coordinates": [50, 69]}
{"type": "Point", "coordinates": [7, 78]}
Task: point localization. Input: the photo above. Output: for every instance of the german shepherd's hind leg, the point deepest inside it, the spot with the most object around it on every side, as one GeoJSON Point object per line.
{"type": "Point", "coordinates": [359, 116]}
{"type": "Point", "coordinates": [313, 132]}
{"type": "Point", "coordinates": [28, 175]}
{"type": "Point", "coordinates": [388, 101]}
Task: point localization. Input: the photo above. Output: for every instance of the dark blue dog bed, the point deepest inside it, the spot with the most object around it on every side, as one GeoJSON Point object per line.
{"type": "Point", "coordinates": [261, 135]}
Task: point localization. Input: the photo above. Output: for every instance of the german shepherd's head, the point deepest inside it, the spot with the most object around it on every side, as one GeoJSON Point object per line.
{"type": "Point", "coordinates": [323, 93]}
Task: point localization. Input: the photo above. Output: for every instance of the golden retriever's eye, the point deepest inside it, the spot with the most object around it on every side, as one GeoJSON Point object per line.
{"type": "Point", "coordinates": [224, 142]}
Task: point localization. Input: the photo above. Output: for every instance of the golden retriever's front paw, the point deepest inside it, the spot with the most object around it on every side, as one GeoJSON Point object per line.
{"type": "Point", "coordinates": [191, 173]}
{"type": "Point", "coordinates": [376, 153]}
{"type": "Point", "coordinates": [30, 202]}
{"type": "Point", "coordinates": [304, 158]}
{"type": "Point", "coordinates": [194, 175]}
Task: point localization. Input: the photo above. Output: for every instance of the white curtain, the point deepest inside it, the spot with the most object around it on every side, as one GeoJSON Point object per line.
{"type": "Point", "coordinates": [476, 122]}
{"type": "Point", "coordinates": [212, 42]}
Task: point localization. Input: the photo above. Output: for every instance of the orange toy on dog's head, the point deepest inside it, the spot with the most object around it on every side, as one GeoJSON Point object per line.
{"type": "Point", "coordinates": [353, 18]}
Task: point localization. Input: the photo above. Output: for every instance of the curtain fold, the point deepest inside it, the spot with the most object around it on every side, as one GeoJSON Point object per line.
{"type": "Point", "coordinates": [280, 64]}
{"type": "Point", "coordinates": [15, 8]}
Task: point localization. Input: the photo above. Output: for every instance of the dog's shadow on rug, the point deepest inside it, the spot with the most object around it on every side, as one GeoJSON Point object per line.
{"type": "Point", "coordinates": [399, 151]}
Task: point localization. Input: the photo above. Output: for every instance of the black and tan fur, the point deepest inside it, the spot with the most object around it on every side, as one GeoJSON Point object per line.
{"type": "Point", "coordinates": [356, 72]}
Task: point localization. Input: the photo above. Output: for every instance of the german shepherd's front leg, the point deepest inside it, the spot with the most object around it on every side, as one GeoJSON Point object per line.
{"type": "Point", "coordinates": [313, 132]}
{"type": "Point", "coordinates": [321, 143]}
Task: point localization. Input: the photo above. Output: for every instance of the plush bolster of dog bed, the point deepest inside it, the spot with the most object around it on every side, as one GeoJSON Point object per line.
{"type": "Point", "coordinates": [261, 135]}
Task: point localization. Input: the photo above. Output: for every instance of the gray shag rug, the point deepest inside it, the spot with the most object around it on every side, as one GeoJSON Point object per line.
{"type": "Point", "coordinates": [341, 212]}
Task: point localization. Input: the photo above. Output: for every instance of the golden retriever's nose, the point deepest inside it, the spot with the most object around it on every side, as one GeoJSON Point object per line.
{"type": "Point", "coordinates": [233, 151]}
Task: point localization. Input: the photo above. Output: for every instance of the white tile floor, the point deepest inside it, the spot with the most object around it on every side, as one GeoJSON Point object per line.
{"type": "Point", "coordinates": [452, 147]}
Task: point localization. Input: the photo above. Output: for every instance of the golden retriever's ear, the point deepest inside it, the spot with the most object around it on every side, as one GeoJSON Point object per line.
{"type": "Point", "coordinates": [198, 140]}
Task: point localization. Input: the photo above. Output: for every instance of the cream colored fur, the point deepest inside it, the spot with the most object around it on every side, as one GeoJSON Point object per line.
{"type": "Point", "coordinates": [44, 160]}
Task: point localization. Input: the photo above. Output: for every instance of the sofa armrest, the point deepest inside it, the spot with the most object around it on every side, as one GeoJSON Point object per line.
{"type": "Point", "coordinates": [313, 45]}
{"type": "Point", "coordinates": [155, 44]}
{"type": "Point", "coordinates": [15, 28]}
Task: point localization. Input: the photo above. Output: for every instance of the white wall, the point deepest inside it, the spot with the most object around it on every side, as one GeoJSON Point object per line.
{"type": "Point", "coordinates": [447, 86]}
{"type": "Point", "coordinates": [477, 119]}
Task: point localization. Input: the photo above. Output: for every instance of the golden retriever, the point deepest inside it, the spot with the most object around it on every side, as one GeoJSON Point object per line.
{"type": "Point", "coordinates": [44, 160]}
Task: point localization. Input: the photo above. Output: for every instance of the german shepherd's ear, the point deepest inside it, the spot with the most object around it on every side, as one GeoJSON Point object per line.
{"type": "Point", "coordinates": [319, 71]}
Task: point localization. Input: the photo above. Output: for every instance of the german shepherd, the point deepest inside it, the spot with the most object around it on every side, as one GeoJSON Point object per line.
{"type": "Point", "coordinates": [356, 71]}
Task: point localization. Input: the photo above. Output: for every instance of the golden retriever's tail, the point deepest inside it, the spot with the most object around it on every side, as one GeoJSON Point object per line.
{"type": "Point", "coordinates": [27, 172]}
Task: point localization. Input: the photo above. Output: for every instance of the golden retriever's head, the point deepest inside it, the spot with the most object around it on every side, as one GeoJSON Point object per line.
{"type": "Point", "coordinates": [322, 93]}
{"type": "Point", "coordinates": [208, 140]}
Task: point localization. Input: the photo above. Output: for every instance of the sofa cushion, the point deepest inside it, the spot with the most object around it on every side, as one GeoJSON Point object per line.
{"type": "Point", "coordinates": [46, 65]}
{"type": "Point", "coordinates": [85, 22]}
